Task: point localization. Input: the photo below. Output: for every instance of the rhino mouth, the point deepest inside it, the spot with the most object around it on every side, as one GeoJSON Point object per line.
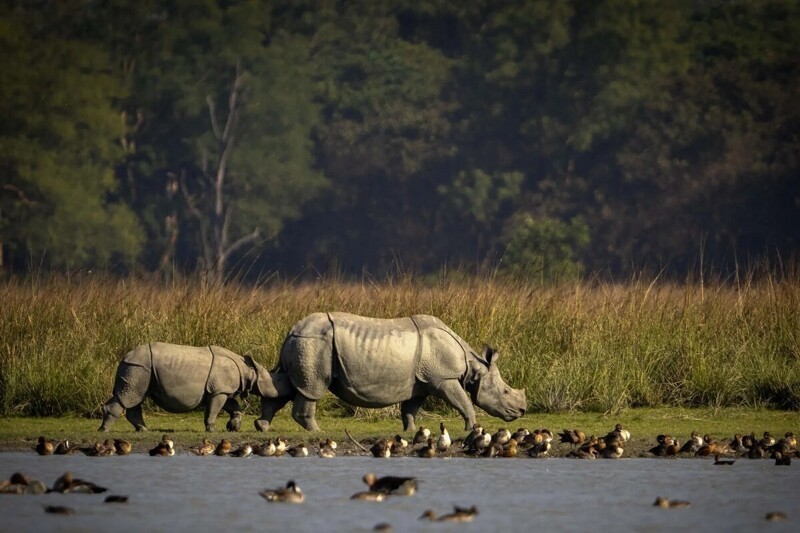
{"type": "Point", "coordinates": [513, 415]}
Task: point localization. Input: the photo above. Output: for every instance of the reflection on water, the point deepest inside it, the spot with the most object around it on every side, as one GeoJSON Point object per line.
{"type": "Point", "coordinates": [189, 493]}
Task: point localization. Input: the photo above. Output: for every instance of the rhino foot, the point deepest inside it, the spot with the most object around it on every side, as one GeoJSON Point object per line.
{"type": "Point", "coordinates": [261, 425]}
{"type": "Point", "coordinates": [235, 423]}
{"type": "Point", "coordinates": [141, 428]}
{"type": "Point", "coordinates": [210, 428]}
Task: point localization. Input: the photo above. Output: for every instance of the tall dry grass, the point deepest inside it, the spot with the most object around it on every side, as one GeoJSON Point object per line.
{"type": "Point", "coordinates": [586, 346]}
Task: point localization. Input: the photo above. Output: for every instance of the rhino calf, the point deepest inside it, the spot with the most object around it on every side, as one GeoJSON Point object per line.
{"type": "Point", "coordinates": [181, 378]}
{"type": "Point", "coordinates": [371, 362]}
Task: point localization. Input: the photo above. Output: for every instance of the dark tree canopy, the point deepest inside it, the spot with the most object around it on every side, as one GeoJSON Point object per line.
{"type": "Point", "coordinates": [548, 139]}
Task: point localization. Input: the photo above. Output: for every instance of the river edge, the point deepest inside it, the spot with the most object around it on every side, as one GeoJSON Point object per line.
{"type": "Point", "coordinates": [21, 433]}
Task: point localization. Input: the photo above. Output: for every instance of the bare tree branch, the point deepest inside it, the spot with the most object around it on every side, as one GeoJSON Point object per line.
{"type": "Point", "coordinates": [241, 242]}
{"type": "Point", "coordinates": [212, 112]}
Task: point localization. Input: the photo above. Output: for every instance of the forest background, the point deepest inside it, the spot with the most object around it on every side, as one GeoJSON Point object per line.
{"type": "Point", "coordinates": [551, 138]}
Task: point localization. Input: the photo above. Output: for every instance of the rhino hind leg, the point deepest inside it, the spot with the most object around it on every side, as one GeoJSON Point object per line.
{"type": "Point", "coordinates": [134, 416]}
{"type": "Point", "coordinates": [233, 409]}
{"type": "Point", "coordinates": [304, 411]}
{"type": "Point", "coordinates": [409, 410]}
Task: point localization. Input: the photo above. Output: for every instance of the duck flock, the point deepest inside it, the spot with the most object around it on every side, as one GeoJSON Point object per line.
{"type": "Point", "coordinates": [479, 442]}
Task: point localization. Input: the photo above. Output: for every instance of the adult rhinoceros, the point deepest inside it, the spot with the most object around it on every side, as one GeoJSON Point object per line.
{"type": "Point", "coordinates": [181, 378]}
{"type": "Point", "coordinates": [372, 362]}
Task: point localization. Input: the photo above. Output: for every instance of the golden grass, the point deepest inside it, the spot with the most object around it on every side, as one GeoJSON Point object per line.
{"type": "Point", "coordinates": [586, 346]}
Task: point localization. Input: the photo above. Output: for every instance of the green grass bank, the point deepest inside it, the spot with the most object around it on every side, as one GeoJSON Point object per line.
{"type": "Point", "coordinates": [584, 347]}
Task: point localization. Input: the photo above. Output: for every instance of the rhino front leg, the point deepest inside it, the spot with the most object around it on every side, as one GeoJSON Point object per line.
{"type": "Point", "coordinates": [451, 391]}
{"type": "Point", "coordinates": [213, 407]}
{"type": "Point", "coordinates": [409, 410]}
{"type": "Point", "coordinates": [270, 406]}
{"type": "Point", "coordinates": [304, 411]}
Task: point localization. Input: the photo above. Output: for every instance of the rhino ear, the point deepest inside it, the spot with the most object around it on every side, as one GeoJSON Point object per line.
{"type": "Point", "coordinates": [489, 354]}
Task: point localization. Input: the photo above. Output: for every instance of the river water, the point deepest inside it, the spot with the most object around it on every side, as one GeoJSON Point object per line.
{"type": "Point", "coordinates": [189, 493]}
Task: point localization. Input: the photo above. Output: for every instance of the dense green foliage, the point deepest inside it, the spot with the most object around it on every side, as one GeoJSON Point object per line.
{"type": "Point", "coordinates": [550, 138]}
{"type": "Point", "coordinates": [575, 347]}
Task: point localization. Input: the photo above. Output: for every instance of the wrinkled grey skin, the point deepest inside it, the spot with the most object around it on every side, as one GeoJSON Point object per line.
{"type": "Point", "coordinates": [371, 362]}
{"type": "Point", "coordinates": [181, 378]}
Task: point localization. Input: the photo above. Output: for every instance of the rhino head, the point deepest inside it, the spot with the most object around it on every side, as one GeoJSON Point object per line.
{"type": "Point", "coordinates": [490, 392]}
{"type": "Point", "coordinates": [268, 384]}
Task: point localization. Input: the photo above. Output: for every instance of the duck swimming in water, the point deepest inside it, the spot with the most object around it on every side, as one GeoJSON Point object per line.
{"type": "Point", "coordinates": [459, 514]}
{"type": "Point", "coordinates": [69, 484]}
{"type": "Point", "coordinates": [289, 494]}
{"type": "Point", "coordinates": [369, 496]}
{"type": "Point", "coordinates": [664, 503]}
{"type": "Point", "coordinates": [395, 485]}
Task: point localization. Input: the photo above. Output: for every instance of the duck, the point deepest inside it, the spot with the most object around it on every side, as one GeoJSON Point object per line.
{"type": "Point", "coordinates": [459, 514]}
{"type": "Point", "coordinates": [326, 451]}
{"type": "Point", "coordinates": [280, 446]}
{"type": "Point", "coordinates": [398, 445]}
{"type": "Point", "coordinates": [510, 449]}
{"type": "Point", "coordinates": [749, 440]}
{"type": "Point", "coordinates": [299, 450]}
{"type": "Point", "coordinates": [67, 483]}
{"type": "Point", "coordinates": [122, 447]}
{"type": "Point", "coordinates": [782, 460]}
{"type": "Point", "coordinates": [289, 494]}
{"type": "Point", "coordinates": [532, 439]}
{"type": "Point", "coordinates": [108, 449]}
{"type": "Point", "coordinates": [572, 436]}
{"type": "Point", "coordinates": [665, 503]}
{"type": "Point", "coordinates": [476, 432]}
{"type": "Point", "coordinates": [612, 451]}
{"type": "Point", "coordinates": [709, 447]}
{"type": "Point", "coordinates": [330, 443]}
{"type": "Point", "coordinates": [244, 450]}
{"type": "Point", "coordinates": [501, 436]}
{"type": "Point", "coordinates": [694, 443]}
{"type": "Point", "coordinates": [58, 509]}
{"type": "Point", "coordinates": [444, 441]}
{"type": "Point", "coordinates": [546, 434]}
{"type": "Point", "coordinates": [427, 451]}
{"type": "Point", "coordinates": [422, 434]}
{"type": "Point", "coordinates": [165, 448]}
{"type": "Point", "coordinates": [756, 451]}
{"type": "Point", "coordinates": [520, 434]}
{"type": "Point", "coordinates": [667, 445]}
{"type": "Point", "coordinates": [775, 516]}
{"type": "Point", "coordinates": [44, 446]}
{"type": "Point", "coordinates": [619, 433]}
{"type": "Point", "coordinates": [395, 485]}
{"type": "Point", "coordinates": [95, 450]}
{"type": "Point", "coordinates": [539, 450]}
{"type": "Point", "coordinates": [267, 449]}
{"type": "Point", "coordinates": [223, 448]}
{"type": "Point", "coordinates": [492, 450]}
{"type": "Point", "coordinates": [737, 445]}
{"type": "Point", "coordinates": [369, 496]}
{"type": "Point", "coordinates": [65, 448]}
{"type": "Point", "coordinates": [206, 447]}
{"type": "Point", "coordinates": [19, 483]}
{"type": "Point", "coordinates": [381, 449]}
{"type": "Point", "coordinates": [482, 441]}
{"type": "Point", "coordinates": [768, 440]}
{"type": "Point", "coordinates": [584, 453]}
